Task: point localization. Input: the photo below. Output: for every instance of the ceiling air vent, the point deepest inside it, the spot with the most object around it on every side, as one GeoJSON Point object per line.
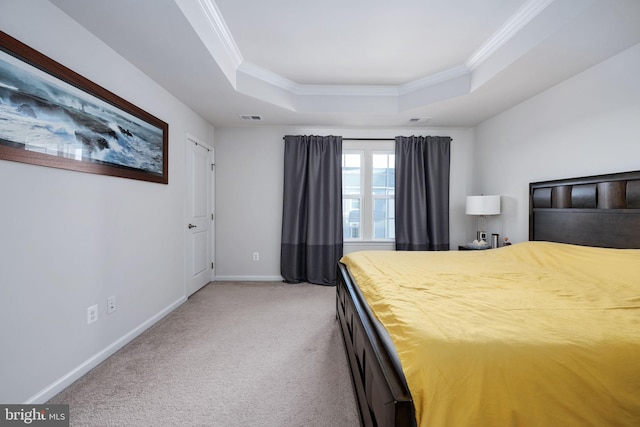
{"type": "Point", "coordinates": [251, 117]}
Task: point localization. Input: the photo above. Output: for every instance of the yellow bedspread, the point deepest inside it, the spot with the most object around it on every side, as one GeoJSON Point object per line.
{"type": "Point", "coordinates": [534, 334]}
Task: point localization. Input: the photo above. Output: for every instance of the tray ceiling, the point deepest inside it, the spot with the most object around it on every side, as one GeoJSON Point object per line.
{"type": "Point", "coordinates": [359, 63]}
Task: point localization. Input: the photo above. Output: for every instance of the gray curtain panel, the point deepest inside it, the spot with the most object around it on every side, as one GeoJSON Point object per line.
{"type": "Point", "coordinates": [312, 209]}
{"type": "Point", "coordinates": [422, 193]}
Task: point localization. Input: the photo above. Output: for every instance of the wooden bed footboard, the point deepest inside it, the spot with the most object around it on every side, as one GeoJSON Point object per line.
{"type": "Point", "coordinates": [381, 392]}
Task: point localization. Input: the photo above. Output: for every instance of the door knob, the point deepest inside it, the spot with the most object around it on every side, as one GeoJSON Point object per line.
{"type": "Point", "coordinates": [192, 226]}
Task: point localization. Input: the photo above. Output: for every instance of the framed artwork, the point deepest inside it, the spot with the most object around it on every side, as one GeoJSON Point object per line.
{"type": "Point", "coordinates": [52, 116]}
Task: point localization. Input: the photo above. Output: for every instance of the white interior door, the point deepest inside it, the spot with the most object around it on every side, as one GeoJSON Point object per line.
{"type": "Point", "coordinates": [199, 227]}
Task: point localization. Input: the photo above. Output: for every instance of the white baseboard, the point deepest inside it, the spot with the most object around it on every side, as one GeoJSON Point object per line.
{"type": "Point", "coordinates": [66, 380]}
{"type": "Point", "coordinates": [249, 278]}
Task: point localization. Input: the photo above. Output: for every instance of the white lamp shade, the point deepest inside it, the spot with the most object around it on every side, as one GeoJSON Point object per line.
{"type": "Point", "coordinates": [483, 205]}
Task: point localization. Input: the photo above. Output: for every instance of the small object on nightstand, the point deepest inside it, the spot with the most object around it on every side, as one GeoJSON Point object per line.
{"type": "Point", "coordinates": [506, 241]}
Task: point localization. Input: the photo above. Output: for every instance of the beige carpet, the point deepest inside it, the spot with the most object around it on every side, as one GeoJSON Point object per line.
{"type": "Point", "coordinates": [235, 354]}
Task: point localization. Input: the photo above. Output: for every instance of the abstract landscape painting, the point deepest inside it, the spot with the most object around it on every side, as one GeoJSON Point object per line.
{"type": "Point", "coordinates": [44, 117]}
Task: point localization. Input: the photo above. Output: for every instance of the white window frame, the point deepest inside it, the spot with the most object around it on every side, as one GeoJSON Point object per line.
{"type": "Point", "coordinates": [367, 148]}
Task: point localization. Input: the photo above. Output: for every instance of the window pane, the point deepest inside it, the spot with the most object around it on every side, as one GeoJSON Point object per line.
{"type": "Point", "coordinates": [380, 160]}
{"type": "Point", "coordinates": [351, 167]}
{"type": "Point", "coordinates": [350, 184]}
{"type": "Point", "coordinates": [351, 160]}
{"type": "Point", "coordinates": [383, 218]}
{"type": "Point", "coordinates": [351, 218]}
{"type": "Point", "coordinates": [391, 219]}
{"type": "Point", "coordinates": [380, 179]}
{"type": "Point", "coordinates": [383, 178]}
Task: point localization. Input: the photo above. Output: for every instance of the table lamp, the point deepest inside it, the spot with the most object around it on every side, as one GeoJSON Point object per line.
{"type": "Point", "coordinates": [482, 206]}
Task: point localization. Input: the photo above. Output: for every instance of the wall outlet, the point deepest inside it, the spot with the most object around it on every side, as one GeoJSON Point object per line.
{"type": "Point", "coordinates": [111, 304]}
{"type": "Point", "coordinates": [256, 256]}
{"type": "Point", "coordinates": [92, 314]}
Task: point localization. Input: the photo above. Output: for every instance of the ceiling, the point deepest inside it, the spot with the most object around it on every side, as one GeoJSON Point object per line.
{"type": "Point", "coordinates": [360, 63]}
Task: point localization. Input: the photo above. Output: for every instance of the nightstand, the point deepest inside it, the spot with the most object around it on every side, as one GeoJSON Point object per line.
{"type": "Point", "coordinates": [473, 248]}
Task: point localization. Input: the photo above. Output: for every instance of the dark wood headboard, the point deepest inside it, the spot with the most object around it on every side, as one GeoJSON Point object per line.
{"type": "Point", "coordinates": [601, 210]}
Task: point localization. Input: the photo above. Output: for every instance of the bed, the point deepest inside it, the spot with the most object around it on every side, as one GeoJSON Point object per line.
{"type": "Point", "coordinates": [577, 363]}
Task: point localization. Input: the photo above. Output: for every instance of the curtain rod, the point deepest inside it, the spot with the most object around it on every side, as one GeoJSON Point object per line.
{"type": "Point", "coordinates": [366, 139]}
{"type": "Point", "coordinates": [369, 139]}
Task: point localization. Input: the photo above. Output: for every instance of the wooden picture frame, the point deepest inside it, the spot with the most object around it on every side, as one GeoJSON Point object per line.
{"type": "Point", "coordinates": [52, 116]}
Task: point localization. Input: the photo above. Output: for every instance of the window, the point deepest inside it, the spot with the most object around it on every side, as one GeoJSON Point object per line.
{"type": "Point", "coordinates": [351, 193]}
{"type": "Point", "coordinates": [368, 188]}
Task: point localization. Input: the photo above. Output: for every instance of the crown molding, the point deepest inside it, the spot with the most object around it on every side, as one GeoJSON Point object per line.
{"type": "Point", "coordinates": [346, 90]}
{"type": "Point", "coordinates": [267, 76]}
{"type": "Point", "coordinates": [281, 82]}
{"type": "Point", "coordinates": [279, 90]}
{"type": "Point", "coordinates": [433, 80]}
{"type": "Point", "coordinates": [219, 26]}
{"type": "Point", "coordinates": [509, 29]}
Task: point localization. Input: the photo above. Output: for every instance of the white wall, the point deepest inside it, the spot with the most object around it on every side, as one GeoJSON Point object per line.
{"type": "Point", "coordinates": [249, 178]}
{"type": "Point", "coordinates": [69, 240]}
{"type": "Point", "coordinates": [587, 125]}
